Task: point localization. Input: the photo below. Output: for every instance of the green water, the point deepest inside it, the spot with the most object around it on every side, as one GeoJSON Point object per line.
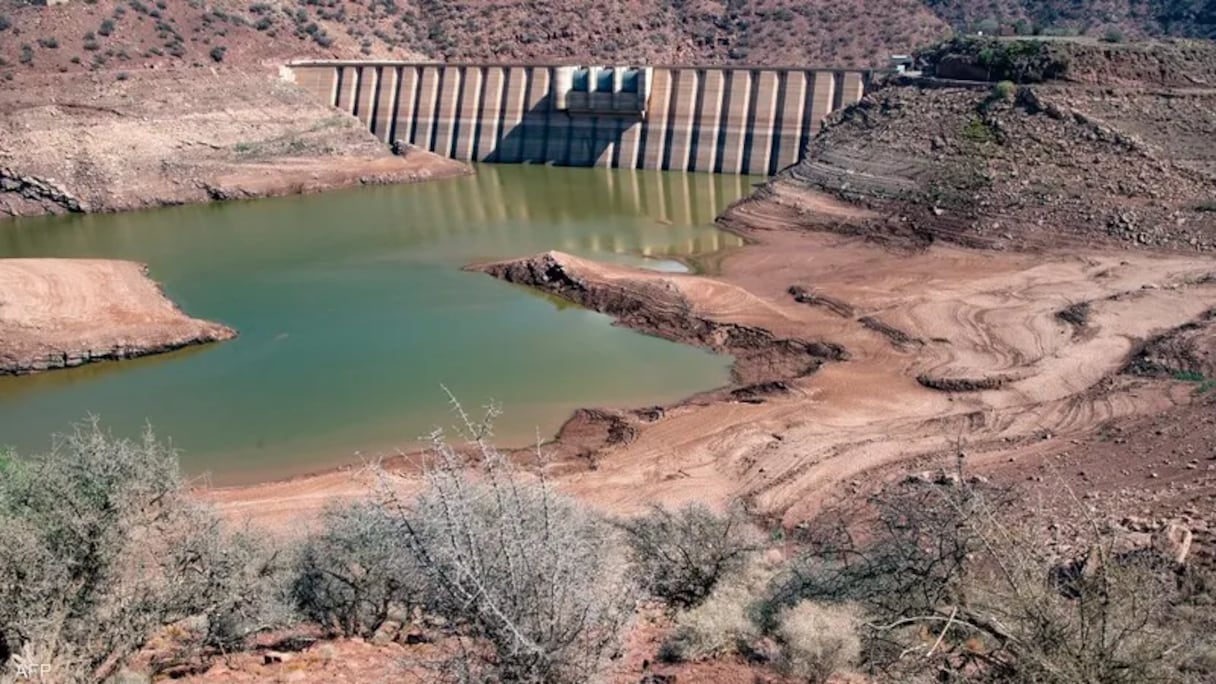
{"type": "Point", "coordinates": [353, 311]}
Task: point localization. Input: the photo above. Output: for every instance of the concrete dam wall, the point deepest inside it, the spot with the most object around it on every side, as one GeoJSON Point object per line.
{"type": "Point", "coordinates": [711, 119]}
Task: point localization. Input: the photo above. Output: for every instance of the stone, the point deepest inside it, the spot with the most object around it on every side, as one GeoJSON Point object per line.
{"type": "Point", "coordinates": [386, 633]}
{"type": "Point", "coordinates": [1173, 541]}
{"type": "Point", "coordinates": [275, 657]}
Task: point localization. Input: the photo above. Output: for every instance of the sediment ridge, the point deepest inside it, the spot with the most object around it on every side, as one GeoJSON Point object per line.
{"type": "Point", "coordinates": [675, 308]}
{"type": "Point", "coordinates": [58, 313]}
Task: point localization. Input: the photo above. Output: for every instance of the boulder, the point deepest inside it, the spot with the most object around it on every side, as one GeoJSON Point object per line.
{"type": "Point", "coordinates": [1173, 541]}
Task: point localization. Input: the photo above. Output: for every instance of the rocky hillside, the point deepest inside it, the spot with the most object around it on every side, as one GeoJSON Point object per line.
{"type": "Point", "coordinates": [133, 34]}
{"type": "Point", "coordinates": [1054, 160]}
{"type": "Point", "coordinates": [1099, 18]}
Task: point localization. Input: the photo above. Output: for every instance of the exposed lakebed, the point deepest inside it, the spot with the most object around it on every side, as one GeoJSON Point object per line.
{"type": "Point", "coordinates": [353, 312]}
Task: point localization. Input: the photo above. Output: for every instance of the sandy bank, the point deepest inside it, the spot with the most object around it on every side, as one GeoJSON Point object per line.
{"type": "Point", "coordinates": [56, 313]}
{"type": "Point", "coordinates": [97, 143]}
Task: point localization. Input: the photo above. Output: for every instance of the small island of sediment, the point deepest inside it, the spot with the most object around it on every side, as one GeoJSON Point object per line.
{"type": "Point", "coordinates": [58, 313]}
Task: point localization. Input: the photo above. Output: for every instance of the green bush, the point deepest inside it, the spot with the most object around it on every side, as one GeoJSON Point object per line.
{"type": "Point", "coordinates": [355, 573]}
{"type": "Point", "coordinates": [218, 52]}
{"type": "Point", "coordinates": [104, 547]}
{"type": "Point", "coordinates": [1113, 35]}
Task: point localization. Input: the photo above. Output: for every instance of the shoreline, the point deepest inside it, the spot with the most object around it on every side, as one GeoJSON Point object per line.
{"type": "Point", "coordinates": [789, 442]}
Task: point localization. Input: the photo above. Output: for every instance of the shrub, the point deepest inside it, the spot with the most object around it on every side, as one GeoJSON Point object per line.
{"type": "Point", "coordinates": [724, 622]}
{"type": "Point", "coordinates": [818, 640]}
{"type": "Point", "coordinates": [103, 548]}
{"type": "Point", "coordinates": [353, 574]}
{"type": "Point", "coordinates": [680, 556]}
{"type": "Point", "coordinates": [530, 575]}
{"type": "Point", "coordinates": [1113, 35]}
{"type": "Point", "coordinates": [944, 561]}
{"type": "Point", "coordinates": [49, 42]}
{"type": "Point", "coordinates": [988, 26]}
{"type": "Point", "coordinates": [218, 52]}
{"type": "Point", "coordinates": [1004, 90]}
{"type": "Point", "coordinates": [5, 22]}
{"type": "Point", "coordinates": [106, 28]}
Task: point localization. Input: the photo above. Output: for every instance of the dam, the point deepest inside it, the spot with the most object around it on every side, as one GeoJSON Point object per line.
{"type": "Point", "coordinates": [732, 120]}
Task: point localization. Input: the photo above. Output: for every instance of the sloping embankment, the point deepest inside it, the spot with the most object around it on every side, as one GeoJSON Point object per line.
{"type": "Point", "coordinates": [1054, 162]}
{"type": "Point", "coordinates": [56, 313]}
{"type": "Point", "coordinates": [96, 144]}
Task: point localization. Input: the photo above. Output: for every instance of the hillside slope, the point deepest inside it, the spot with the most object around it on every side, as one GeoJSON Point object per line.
{"type": "Point", "coordinates": [1040, 164]}
{"type": "Point", "coordinates": [86, 143]}
{"type": "Point", "coordinates": [130, 34]}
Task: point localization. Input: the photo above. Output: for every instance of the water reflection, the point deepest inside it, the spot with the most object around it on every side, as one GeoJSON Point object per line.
{"type": "Point", "coordinates": [506, 196]}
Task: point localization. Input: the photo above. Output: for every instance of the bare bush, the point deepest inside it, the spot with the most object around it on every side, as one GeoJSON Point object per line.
{"type": "Point", "coordinates": [724, 622]}
{"type": "Point", "coordinates": [103, 548]}
{"type": "Point", "coordinates": [356, 572]}
{"type": "Point", "coordinates": [951, 586]}
{"type": "Point", "coordinates": [680, 556]}
{"type": "Point", "coordinates": [818, 640]}
{"type": "Point", "coordinates": [531, 576]}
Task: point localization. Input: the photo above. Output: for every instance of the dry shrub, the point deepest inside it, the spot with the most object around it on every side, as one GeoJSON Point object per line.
{"type": "Point", "coordinates": [355, 573]}
{"type": "Point", "coordinates": [952, 587]}
{"type": "Point", "coordinates": [724, 622]}
{"type": "Point", "coordinates": [681, 555]}
{"type": "Point", "coordinates": [103, 548]}
{"type": "Point", "coordinates": [818, 640]}
{"type": "Point", "coordinates": [532, 578]}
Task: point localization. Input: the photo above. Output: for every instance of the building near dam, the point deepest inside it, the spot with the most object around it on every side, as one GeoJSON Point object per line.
{"type": "Point", "coordinates": [736, 120]}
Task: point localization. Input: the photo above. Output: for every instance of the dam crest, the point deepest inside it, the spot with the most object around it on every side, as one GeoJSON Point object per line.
{"type": "Point", "coordinates": [733, 120]}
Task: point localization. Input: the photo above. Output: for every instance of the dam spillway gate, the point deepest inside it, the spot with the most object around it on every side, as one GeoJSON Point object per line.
{"type": "Point", "coordinates": [712, 119]}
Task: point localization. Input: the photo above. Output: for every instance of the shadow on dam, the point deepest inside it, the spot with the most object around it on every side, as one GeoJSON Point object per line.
{"type": "Point", "coordinates": [729, 120]}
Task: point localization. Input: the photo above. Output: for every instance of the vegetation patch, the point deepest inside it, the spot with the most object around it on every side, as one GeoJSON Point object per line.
{"type": "Point", "coordinates": [1016, 61]}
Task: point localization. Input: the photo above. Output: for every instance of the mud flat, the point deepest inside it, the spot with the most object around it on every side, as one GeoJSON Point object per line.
{"type": "Point", "coordinates": [823, 403]}
{"type": "Point", "coordinates": [56, 313]}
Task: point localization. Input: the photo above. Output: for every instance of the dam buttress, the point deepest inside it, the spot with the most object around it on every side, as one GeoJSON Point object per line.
{"type": "Point", "coordinates": [712, 119]}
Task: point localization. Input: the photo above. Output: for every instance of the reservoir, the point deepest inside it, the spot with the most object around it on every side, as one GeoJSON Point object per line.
{"type": "Point", "coordinates": [353, 316]}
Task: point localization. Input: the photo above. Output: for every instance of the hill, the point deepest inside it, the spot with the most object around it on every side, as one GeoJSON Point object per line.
{"type": "Point", "coordinates": [1098, 144]}
{"type": "Point", "coordinates": [130, 34]}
